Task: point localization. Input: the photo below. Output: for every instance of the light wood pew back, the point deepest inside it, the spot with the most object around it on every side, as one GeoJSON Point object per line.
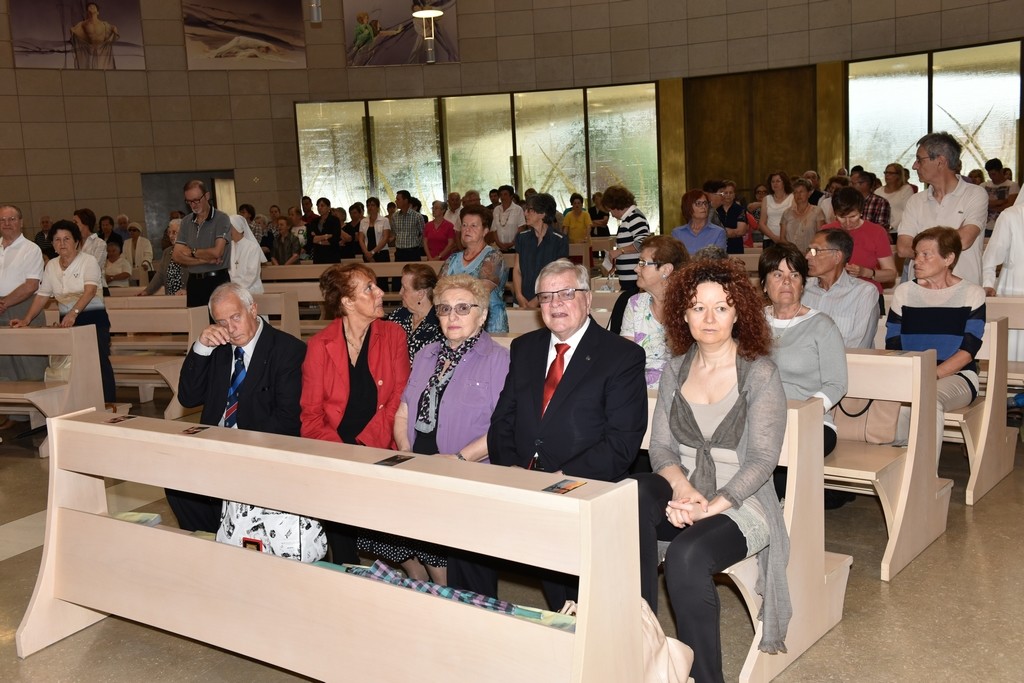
{"type": "Point", "coordinates": [915, 501]}
{"type": "Point", "coordinates": [591, 532]}
{"type": "Point", "coordinates": [981, 426]}
{"type": "Point", "coordinates": [312, 272]}
{"type": "Point", "coordinates": [39, 400]}
{"type": "Point", "coordinates": [817, 579]}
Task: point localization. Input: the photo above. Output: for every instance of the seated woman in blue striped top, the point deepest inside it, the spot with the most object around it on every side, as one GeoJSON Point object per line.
{"type": "Point", "coordinates": [939, 311]}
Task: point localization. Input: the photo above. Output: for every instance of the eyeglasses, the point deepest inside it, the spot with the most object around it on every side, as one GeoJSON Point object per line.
{"type": "Point", "coordinates": [700, 202]}
{"type": "Point", "coordinates": [194, 202]}
{"type": "Point", "coordinates": [814, 251]}
{"type": "Point", "coordinates": [921, 160]}
{"type": "Point", "coordinates": [643, 262]}
{"type": "Point", "coordinates": [445, 310]}
{"type": "Point", "coordinates": [562, 295]}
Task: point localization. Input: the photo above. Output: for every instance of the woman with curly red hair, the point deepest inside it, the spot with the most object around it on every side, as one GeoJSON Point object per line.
{"type": "Point", "coordinates": [716, 436]}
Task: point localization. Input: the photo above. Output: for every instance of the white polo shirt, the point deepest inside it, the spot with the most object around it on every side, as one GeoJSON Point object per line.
{"type": "Point", "coordinates": [966, 205]}
{"type": "Point", "coordinates": [21, 261]}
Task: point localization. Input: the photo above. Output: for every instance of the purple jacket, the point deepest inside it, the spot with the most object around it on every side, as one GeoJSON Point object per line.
{"type": "Point", "coordinates": [469, 400]}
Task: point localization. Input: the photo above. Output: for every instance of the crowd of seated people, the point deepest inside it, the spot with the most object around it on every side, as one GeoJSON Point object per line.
{"type": "Point", "coordinates": [570, 397]}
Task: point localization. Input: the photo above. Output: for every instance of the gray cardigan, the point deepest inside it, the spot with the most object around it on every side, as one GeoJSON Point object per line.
{"type": "Point", "coordinates": [760, 386]}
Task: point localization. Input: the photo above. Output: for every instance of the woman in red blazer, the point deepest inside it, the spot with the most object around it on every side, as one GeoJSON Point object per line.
{"type": "Point", "coordinates": [355, 369]}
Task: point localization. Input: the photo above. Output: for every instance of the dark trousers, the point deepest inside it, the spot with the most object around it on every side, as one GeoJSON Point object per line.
{"type": "Point", "coordinates": [193, 511]}
{"type": "Point", "coordinates": [409, 254]}
{"type": "Point", "coordinates": [696, 554]}
{"type": "Point", "coordinates": [779, 475]}
{"type": "Point", "coordinates": [341, 539]}
{"type": "Point", "coordinates": [383, 282]}
{"type": "Point", "coordinates": [201, 285]}
{"type": "Point", "coordinates": [99, 318]}
{"type": "Point", "coordinates": [479, 573]}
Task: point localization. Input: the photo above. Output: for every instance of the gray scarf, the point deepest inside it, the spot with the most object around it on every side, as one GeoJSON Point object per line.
{"type": "Point", "coordinates": [728, 434]}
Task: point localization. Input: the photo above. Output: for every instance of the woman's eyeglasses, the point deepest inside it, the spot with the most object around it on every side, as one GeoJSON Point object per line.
{"type": "Point", "coordinates": [445, 310]}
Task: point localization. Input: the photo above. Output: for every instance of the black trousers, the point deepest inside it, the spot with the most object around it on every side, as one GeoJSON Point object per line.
{"type": "Point", "coordinates": [201, 285]}
{"type": "Point", "coordinates": [479, 573]}
{"type": "Point", "coordinates": [695, 555]}
{"type": "Point", "coordinates": [99, 318]}
{"type": "Point", "coordinates": [193, 511]}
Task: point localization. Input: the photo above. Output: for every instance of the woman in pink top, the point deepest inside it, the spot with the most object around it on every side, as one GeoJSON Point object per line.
{"type": "Point", "coordinates": [438, 234]}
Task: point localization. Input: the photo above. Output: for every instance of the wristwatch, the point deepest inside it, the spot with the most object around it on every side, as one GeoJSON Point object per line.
{"type": "Point", "coordinates": [75, 311]}
{"type": "Point", "coordinates": [193, 252]}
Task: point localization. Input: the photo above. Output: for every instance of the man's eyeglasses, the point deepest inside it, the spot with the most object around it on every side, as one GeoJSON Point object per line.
{"type": "Point", "coordinates": [445, 310]}
{"type": "Point", "coordinates": [644, 262]}
{"type": "Point", "coordinates": [195, 202]}
{"type": "Point", "coordinates": [921, 160]}
{"type": "Point", "coordinates": [814, 251]}
{"type": "Point", "coordinates": [562, 295]}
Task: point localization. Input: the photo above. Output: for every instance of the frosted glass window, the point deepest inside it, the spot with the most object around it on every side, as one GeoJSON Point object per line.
{"type": "Point", "coordinates": [888, 105]}
{"type": "Point", "coordinates": [623, 135]}
{"type": "Point", "coordinates": [550, 144]}
{"type": "Point", "coordinates": [975, 96]}
{"type": "Point", "coordinates": [478, 131]}
{"type": "Point", "coordinates": [332, 151]}
{"type": "Point", "coordinates": [406, 149]}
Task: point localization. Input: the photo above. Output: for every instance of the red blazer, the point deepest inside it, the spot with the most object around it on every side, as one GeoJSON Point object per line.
{"type": "Point", "coordinates": [325, 382]}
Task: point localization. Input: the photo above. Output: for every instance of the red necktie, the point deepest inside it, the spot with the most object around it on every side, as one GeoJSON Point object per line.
{"type": "Point", "coordinates": [554, 375]}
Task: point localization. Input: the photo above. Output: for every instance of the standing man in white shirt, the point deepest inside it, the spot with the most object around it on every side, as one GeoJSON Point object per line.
{"type": "Point", "coordinates": [21, 271]}
{"type": "Point", "coordinates": [950, 201]}
{"type": "Point", "coordinates": [508, 218]}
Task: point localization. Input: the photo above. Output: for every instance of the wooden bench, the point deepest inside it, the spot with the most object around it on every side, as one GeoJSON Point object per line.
{"type": "Point", "coordinates": [1011, 308]}
{"type": "Point", "coordinates": [204, 590]}
{"type": "Point", "coordinates": [981, 426]}
{"type": "Point", "coordinates": [311, 272]}
{"type": "Point", "coordinates": [39, 400]}
{"type": "Point", "coordinates": [148, 371]}
{"type": "Point", "coordinates": [281, 308]}
{"type": "Point", "coordinates": [915, 501]}
{"type": "Point", "coordinates": [817, 579]}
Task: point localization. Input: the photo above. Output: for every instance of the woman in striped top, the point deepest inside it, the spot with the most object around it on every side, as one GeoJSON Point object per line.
{"type": "Point", "coordinates": [633, 229]}
{"type": "Point", "coordinates": [939, 311]}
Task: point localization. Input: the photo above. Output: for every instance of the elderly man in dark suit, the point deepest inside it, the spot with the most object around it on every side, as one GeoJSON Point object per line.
{"type": "Point", "coordinates": [265, 364]}
{"type": "Point", "coordinates": [574, 401]}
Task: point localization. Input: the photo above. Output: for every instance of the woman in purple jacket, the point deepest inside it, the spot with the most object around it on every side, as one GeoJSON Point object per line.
{"type": "Point", "coordinates": [447, 404]}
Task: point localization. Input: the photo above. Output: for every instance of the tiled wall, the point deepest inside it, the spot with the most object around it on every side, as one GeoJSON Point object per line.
{"type": "Point", "coordinates": [79, 138]}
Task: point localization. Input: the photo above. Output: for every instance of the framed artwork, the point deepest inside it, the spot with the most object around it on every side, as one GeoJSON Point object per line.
{"type": "Point", "coordinates": [71, 34]}
{"type": "Point", "coordinates": [256, 34]}
{"type": "Point", "coordinates": [384, 32]}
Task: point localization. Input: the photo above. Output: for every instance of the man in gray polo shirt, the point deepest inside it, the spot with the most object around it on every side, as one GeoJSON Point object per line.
{"type": "Point", "coordinates": [204, 245]}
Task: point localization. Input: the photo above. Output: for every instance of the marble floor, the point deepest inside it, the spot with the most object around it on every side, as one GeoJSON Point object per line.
{"type": "Point", "coordinates": [954, 613]}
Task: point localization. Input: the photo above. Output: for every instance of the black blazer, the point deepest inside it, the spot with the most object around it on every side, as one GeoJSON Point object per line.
{"type": "Point", "coordinates": [269, 397]}
{"type": "Point", "coordinates": [597, 416]}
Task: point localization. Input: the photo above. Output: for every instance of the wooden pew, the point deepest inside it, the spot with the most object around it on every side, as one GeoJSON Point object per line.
{"type": "Point", "coordinates": [204, 590]}
{"type": "Point", "coordinates": [915, 501]}
{"type": "Point", "coordinates": [1011, 308]}
{"type": "Point", "coordinates": [282, 306]}
{"type": "Point", "coordinates": [981, 426]}
{"type": "Point", "coordinates": [817, 579]}
{"type": "Point", "coordinates": [39, 400]}
{"type": "Point", "coordinates": [148, 371]}
{"type": "Point", "coordinates": [312, 272]}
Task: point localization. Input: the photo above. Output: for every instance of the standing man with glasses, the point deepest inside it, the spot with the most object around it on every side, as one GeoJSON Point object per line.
{"type": "Point", "coordinates": [574, 402]}
{"type": "Point", "coordinates": [204, 245]}
{"type": "Point", "coordinates": [949, 201]}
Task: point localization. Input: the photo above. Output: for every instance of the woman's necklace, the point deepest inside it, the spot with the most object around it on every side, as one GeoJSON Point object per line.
{"type": "Point", "coordinates": [782, 333]}
{"type": "Point", "coordinates": [355, 346]}
{"type": "Point", "coordinates": [467, 259]}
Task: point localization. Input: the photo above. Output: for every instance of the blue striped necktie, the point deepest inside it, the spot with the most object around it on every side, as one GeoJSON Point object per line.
{"type": "Point", "coordinates": [237, 377]}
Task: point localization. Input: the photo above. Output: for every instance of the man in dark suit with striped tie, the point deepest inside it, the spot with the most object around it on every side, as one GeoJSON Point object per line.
{"type": "Point", "coordinates": [246, 375]}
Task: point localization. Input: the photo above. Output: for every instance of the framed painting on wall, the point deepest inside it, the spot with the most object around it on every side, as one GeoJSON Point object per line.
{"type": "Point", "coordinates": [71, 34]}
{"type": "Point", "coordinates": [257, 34]}
{"type": "Point", "coordinates": [384, 32]}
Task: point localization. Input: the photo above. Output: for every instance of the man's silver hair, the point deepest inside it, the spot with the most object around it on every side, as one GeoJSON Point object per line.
{"type": "Point", "coordinates": [229, 288]}
{"type": "Point", "coordinates": [564, 265]}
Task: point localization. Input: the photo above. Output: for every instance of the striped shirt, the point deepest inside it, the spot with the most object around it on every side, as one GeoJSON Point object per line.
{"type": "Point", "coordinates": [947, 320]}
{"type": "Point", "coordinates": [633, 230]}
